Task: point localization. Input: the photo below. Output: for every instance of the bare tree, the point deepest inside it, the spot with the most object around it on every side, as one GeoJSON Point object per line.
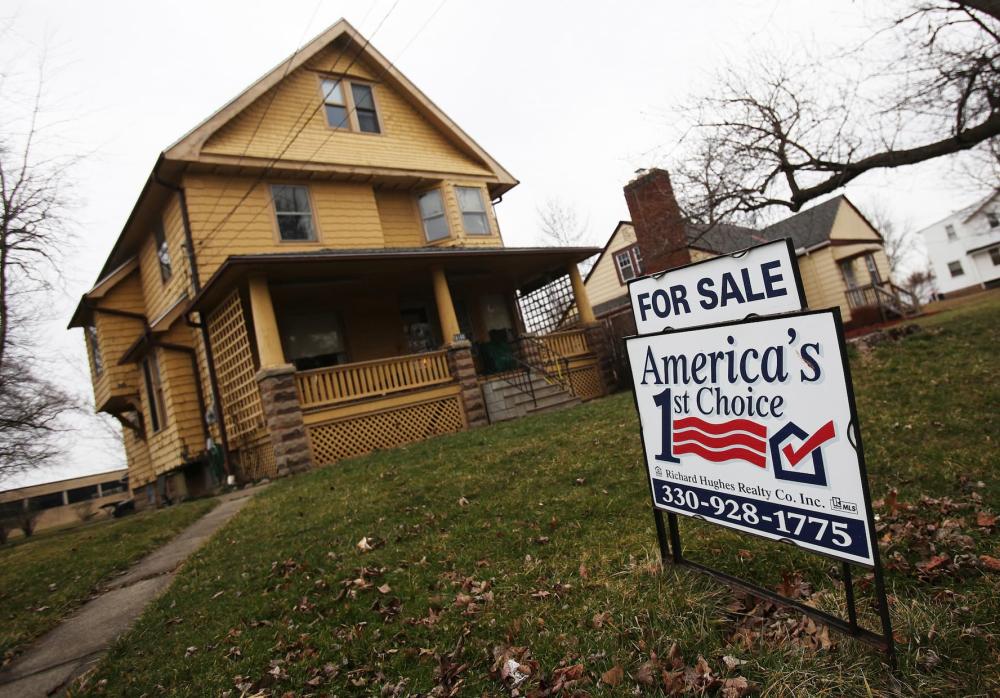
{"type": "Point", "coordinates": [559, 224]}
{"type": "Point", "coordinates": [899, 238]}
{"type": "Point", "coordinates": [33, 238]}
{"type": "Point", "coordinates": [921, 283]}
{"type": "Point", "coordinates": [778, 134]}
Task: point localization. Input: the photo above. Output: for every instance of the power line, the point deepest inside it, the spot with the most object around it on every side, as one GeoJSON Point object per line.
{"type": "Point", "coordinates": [267, 108]}
{"type": "Point", "coordinates": [268, 168]}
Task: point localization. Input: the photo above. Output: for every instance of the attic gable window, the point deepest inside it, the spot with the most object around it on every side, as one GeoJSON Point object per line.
{"type": "Point", "coordinates": [293, 213]}
{"type": "Point", "coordinates": [628, 263]}
{"type": "Point", "coordinates": [350, 105]}
{"type": "Point", "coordinates": [432, 215]}
{"type": "Point", "coordinates": [162, 251]}
{"type": "Point", "coordinates": [470, 203]}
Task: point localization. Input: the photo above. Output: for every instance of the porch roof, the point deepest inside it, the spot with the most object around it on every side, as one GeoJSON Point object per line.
{"type": "Point", "coordinates": [522, 267]}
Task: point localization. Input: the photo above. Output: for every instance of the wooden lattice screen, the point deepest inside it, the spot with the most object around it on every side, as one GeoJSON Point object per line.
{"type": "Point", "coordinates": [586, 382]}
{"type": "Point", "coordinates": [356, 435]}
{"type": "Point", "coordinates": [240, 395]}
{"type": "Point", "coordinates": [550, 307]}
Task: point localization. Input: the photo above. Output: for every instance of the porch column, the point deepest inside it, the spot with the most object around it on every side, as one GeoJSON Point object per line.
{"type": "Point", "coordinates": [580, 294]}
{"type": "Point", "coordinates": [446, 309]}
{"type": "Point", "coordinates": [265, 324]}
{"type": "Point", "coordinates": [278, 394]}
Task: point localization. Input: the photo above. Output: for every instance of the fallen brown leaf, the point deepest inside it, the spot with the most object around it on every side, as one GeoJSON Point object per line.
{"type": "Point", "coordinates": [613, 676]}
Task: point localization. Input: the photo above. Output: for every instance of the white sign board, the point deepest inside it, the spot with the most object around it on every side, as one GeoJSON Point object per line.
{"type": "Point", "coordinates": [752, 425]}
{"type": "Point", "coordinates": [760, 280]}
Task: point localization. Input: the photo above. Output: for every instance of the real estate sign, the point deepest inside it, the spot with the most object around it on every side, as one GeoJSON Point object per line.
{"type": "Point", "coordinates": [752, 425]}
{"type": "Point", "coordinates": [761, 280]}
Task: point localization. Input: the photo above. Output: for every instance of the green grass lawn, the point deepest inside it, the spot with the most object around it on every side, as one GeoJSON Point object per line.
{"type": "Point", "coordinates": [534, 541]}
{"type": "Point", "coordinates": [51, 573]}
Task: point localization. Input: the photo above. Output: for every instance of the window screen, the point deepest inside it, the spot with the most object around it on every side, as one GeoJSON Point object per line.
{"type": "Point", "coordinates": [291, 207]}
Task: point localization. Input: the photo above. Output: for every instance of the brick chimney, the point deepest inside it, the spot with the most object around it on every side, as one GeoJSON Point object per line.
{"type": "Point", "coordinates": [656, 217]}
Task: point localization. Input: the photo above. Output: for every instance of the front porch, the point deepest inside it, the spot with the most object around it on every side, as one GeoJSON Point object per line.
{"type": "Point", "coordinates": [323, 359]}
{"type": "Point", "coordinates": [880, 302]}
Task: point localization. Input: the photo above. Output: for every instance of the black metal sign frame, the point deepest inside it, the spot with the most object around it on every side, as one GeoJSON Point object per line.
{"type": "Point", "coordinates": [672, 550]}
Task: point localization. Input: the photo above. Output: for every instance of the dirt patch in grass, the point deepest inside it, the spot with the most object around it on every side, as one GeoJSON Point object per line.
{"type": "Point", "coordinates": [521, 559]}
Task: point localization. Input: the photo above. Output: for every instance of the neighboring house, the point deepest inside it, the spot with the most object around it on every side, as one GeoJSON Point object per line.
{"type": "Point", "coordinates": [964, 248]}
{"type": "Point", "coordinates": [64, 502]}
{"type": "Point", "coordinates": [316, 271]}
{"type": "Point", "coordinates": [841, 256]}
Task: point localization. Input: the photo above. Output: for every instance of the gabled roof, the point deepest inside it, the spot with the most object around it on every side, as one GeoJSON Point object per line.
{"type": "Point", "coordinates": [807, 228]}
{"type": "Point", "coordinates": [977, 207]}
{"type": "Point", "coordinates": [604, 249]}
{"type": "Point", "coordinates": [188, 147]}
{"type": "Point", "coordinates": [171, 163]}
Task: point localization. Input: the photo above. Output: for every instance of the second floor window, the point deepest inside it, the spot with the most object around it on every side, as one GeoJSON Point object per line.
{"type": "Point", "coordinates": [154, 392]}
{"type": "Point", "coordinates": [950, 230]}
{"type": "Point", "coordinates": [995, 256]}
{"type": "Point", "coordinates": [628, 263]}
{"type": "Point", "coordinates": [955, 269]}
{"type": "Point", "coordinates": [470, 203]}
{"type": "Point", "coordinates": [432, 214]}
{"type": "Point", "coordinates": [95, 350]}
{"type": "Point", "coordinates": [162, 251]}
{"type": "Point", "coordinates": [293, 212]}
{"type": "Point", "coordinates": [992, 219]}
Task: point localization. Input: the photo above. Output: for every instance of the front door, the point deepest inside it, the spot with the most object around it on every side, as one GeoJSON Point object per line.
{"type": "Point", "coordinates": [418, 328]}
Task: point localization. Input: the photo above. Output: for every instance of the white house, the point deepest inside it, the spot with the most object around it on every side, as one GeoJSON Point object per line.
{"type": "Point", "coordinates": [964, 248]}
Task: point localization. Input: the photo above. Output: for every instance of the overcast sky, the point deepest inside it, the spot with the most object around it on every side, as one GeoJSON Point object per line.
{"type": "Point", "coordinates": [571, 97]}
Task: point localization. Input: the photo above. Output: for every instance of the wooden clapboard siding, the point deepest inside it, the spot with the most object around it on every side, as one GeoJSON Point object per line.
{"type": "Point", "coordinates": [603, 283]}
{"type": "Point", "coordinates": [823, 281]}
{"type": "Point", "coordinates": [140, 469]}
{"type": "Point", "coordinates": [345, 216]}
{"type": "Point", "coordinates": [115, 335]}
{"type": "Point", "coordinates": [848, 224]}
{"type": "Point", "coordinates": [400, 219]}
{"type": "Point", "coordinates": [180, 432]}
{"type": "Point", "coordinates": [408, 140]}
{"type": "Point", "coordinates": [160, 295]}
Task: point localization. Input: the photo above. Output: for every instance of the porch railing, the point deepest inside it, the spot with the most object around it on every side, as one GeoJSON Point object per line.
{"type": "Point", "coordinates": [887, 297]}
{"type": "Point", "coordinates": [567, 344]}
{"type": "Point", "coordinates": [336, 384]}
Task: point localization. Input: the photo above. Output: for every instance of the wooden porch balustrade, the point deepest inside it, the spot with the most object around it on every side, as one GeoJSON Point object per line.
{"type": "Point", "coordinates": [365, 379]}
{"type": "Point", "coordinates": [567, 343]}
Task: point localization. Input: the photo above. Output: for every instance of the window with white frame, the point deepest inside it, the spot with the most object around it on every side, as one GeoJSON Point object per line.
{"type": "Point", "coordinates": [293, 213]}
{"type": "Point", "coordinates": [992, 219]}
{"type": "Point", "coordinates": [955, 269]}
{"type": "Point", "coordinates": [628, 263]}
{"type": "Point", "coordinates": [335, 104]}
{"type": "Point", "coordinates": [432, 215]}
{"type": "Point", "coordinates": [470, 203]}
{"type": "Point", "coordinates": [950, 230]}
{"type": "Point", "coordinates": [995, 256]}
{"type": "Point", "coordinates": [873, 272]}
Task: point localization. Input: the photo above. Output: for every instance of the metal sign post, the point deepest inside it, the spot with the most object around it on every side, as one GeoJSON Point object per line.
{"type": "Point", "coordinates": [751, 423]}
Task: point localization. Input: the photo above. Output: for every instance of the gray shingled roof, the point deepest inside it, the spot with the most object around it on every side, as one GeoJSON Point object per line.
{"type": "Point", "coordinates": [806, 229]}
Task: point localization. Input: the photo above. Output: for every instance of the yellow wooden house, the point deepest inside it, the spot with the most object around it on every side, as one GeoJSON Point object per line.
{"type": "Point", "coordinates": [316, 271]}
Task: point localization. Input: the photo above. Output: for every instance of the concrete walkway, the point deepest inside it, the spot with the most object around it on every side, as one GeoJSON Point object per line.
{"type": "Point", "coordinates": [77, 643]}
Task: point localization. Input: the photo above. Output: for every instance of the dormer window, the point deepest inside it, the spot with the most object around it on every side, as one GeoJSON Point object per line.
{"type": "Point", "coordinates": [162, 251]}
{"type": "Point", "coordinates": [432, 215]}
{"type": "Point", "coordinates": [470, 203]}
{"type": "Point", "coordinates": [350, 105]}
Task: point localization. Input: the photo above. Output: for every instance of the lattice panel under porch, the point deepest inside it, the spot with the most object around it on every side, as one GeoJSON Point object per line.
{"type": "Point", "coordinates": [239, 392]}
{"type": "Point", "coordinates": [586, 382]}
{"type": "Point", "coordinates": [356, 435]}
{"type": "Point", "coordinates": [256, 459]}
{"type": "Point", "coordinates": [550, 307]}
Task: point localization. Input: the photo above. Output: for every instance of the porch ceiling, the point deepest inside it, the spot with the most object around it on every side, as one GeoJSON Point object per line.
{"type": "Point", "coordinates": [518, 267]}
